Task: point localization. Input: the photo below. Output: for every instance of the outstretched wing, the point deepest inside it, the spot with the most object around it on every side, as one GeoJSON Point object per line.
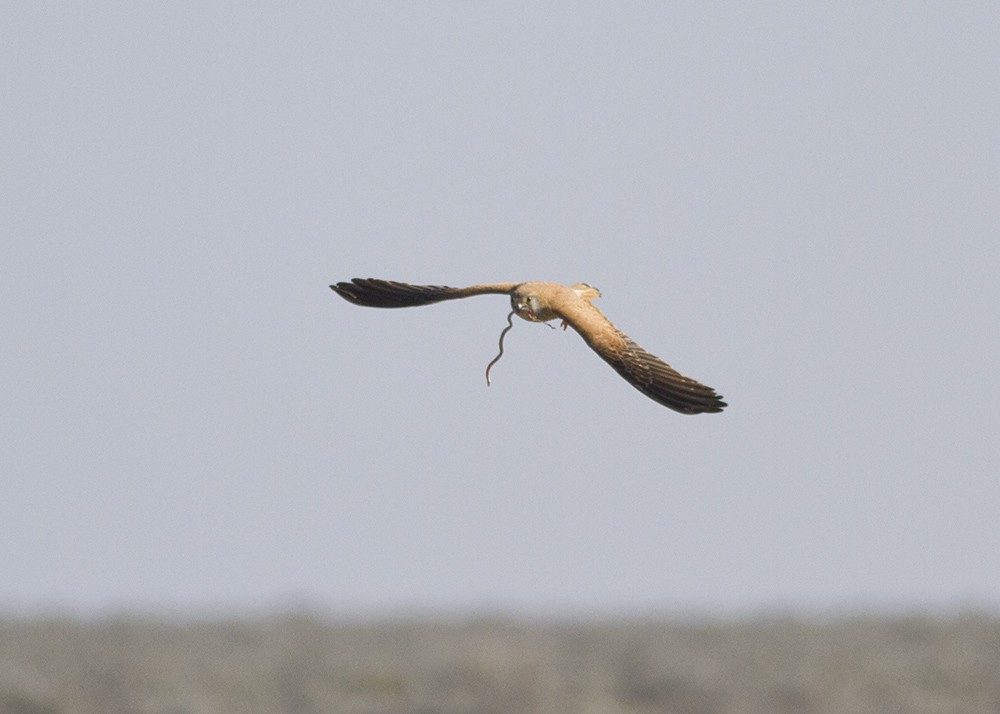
{"type": "Point", "coordinates": [387, 293]}
{"type": "Point", "coordinates": [643, 370]}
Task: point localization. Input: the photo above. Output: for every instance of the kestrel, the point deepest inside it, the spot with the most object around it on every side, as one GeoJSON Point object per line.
{"type": "Point", "coordinates": [541, 302]}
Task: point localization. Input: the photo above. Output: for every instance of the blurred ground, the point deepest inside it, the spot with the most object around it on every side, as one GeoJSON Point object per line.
{"type": "Point", "coordinates": [304, 664]}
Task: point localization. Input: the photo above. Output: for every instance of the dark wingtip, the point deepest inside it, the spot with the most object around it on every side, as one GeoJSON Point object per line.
{"type": "Point", "coordinates": [346, 290]}
{"type": "Point", "coordinates": [716, 405]}
{"type": "Point", "coordinates": [713, 407]}
{"type": "Point", "coordinates": [719, 405]}
{"type": "Point", "coordinates": [373, 292]}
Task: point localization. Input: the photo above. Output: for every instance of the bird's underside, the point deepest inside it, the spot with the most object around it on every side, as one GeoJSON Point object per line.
{"type": "Point", "coordinates": [541, 302]}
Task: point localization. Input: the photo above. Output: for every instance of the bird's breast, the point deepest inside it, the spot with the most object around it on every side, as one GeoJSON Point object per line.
{"type": "Point", "coordinates": [540, 315]}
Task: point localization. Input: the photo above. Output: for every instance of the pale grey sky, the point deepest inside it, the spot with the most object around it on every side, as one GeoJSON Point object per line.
{"type": "Point", "coordinates": [796, 203]}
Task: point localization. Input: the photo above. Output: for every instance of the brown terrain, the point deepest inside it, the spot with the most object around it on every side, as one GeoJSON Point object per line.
{"type": "Point", "coordinates": [306, 665]}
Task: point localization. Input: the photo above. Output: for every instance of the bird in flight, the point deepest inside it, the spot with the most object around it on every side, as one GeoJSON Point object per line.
{"type": "Point", "coordinates": [541, 302]}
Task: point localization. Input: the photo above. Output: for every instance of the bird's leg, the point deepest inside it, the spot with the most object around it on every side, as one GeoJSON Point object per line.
{"type": "Point", "coordinates": [564, 325]}
{"type": "Point", "coordinates": [510, 325]}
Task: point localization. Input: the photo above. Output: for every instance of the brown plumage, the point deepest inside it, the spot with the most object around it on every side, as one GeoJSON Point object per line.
{"type": "Point", "coordinates": [541, 302]}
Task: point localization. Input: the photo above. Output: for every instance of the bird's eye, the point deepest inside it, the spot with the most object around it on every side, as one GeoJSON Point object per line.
{"type": "Point", "coordinates": [528, 299]}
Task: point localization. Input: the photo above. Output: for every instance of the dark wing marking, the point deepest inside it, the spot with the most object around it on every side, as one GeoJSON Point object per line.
{"type": "Point", "coordinates": [643, 370]}
{"type": "Point", "coordinates": [658, 380]}
{"type": "Point", "coordinates": [387, 293]}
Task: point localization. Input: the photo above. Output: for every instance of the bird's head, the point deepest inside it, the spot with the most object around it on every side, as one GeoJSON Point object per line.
{"type": "Point", "coordinates": [523, 306]}
{"type": "Point", "coordinates": [529, 306]}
